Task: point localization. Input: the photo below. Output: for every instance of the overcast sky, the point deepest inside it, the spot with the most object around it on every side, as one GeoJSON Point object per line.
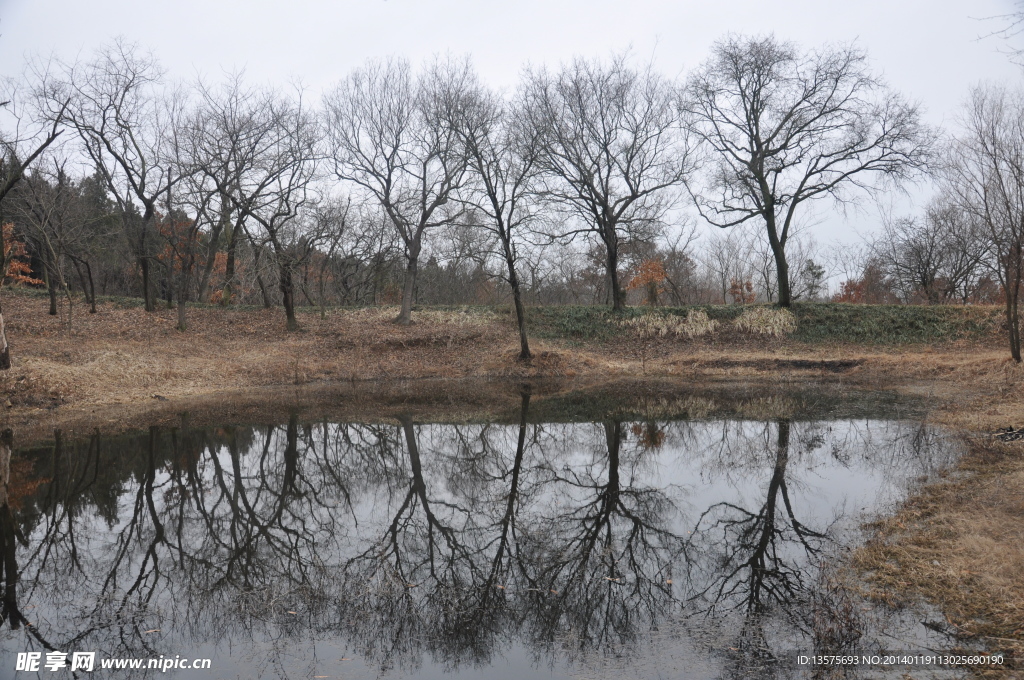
{"type": "Point", "coordinates": [932, 50]}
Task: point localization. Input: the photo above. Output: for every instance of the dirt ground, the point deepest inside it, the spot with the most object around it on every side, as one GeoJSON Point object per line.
{"type": "Point", "coordinates": [958, 543]}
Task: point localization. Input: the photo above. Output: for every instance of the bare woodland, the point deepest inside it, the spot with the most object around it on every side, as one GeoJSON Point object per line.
{"type": "Point", "coordinates": [597, 182]}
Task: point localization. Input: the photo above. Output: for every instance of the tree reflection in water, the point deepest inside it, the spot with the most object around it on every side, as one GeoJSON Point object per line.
{"type": "Point", "coordinates": [449, 542]}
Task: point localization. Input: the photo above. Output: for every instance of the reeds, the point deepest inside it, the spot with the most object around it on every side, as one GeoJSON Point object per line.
{"type": "Point", "coordinates": [770, 321]}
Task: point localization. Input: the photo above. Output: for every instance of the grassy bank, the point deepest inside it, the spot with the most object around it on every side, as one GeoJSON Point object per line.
{"type": "Point", "coordinates": [959, 544]}
{"type": "Point", "coordinates": [817, 322]}
{"type": "Point", "coordinates": [123, 354]}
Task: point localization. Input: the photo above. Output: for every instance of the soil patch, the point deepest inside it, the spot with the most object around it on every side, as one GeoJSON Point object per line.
{"type": "Point", "coordinates": [824, 365]}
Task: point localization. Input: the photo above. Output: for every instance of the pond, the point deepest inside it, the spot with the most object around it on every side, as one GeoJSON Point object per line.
{"type": "Point", "coordinates": [689, 539]}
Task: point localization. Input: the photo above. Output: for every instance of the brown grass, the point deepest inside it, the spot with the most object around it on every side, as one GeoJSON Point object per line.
{"type": "Point", "coordinates": [960, 545]}
{"type": "Point", "coordinates": [122, 355]}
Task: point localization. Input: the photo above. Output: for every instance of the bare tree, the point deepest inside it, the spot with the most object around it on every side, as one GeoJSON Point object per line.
{"type": "Point", "coordinates": [22, 141]}
{"type": "Point", "coordinates": [281, 185]}
{"type": "Point", "coordinates": [783, 127]}
{"type": "Point", "coordinates": [935, 258]}
{"type": "Point", "coordinates": [120, 111]}
{"type": "Point", "coordinates": [190, 209]}
{"type": "Point", "coordinates": [1012, 26]}
{"type": "Point", "coordinates": [985, 172]}
{"type": "Point", "coordinates": [49, 216]}
{"type": "Point", "coordinates": [259, 150]}
{"type": "Point", "coordinates": [235, 126]}
{"type": "Point", "coordinates": [727, 265]}
{"type": "Point", "coordinates": [502, 154]}
{"type": "Point", "coordinates": [330, 225]}
{"type": "Point", "coordinates": [611, 149]}
{"type": "Point", "coordinates": [390, 136]}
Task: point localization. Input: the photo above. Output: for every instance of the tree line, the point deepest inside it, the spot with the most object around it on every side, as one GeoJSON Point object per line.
{"type": "Point", "coordinates": [585, 183]}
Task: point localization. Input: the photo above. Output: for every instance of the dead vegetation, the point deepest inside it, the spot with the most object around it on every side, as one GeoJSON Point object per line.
{"type": "Point", "coordinates": [770, 321]}
{"type": "Point", "coordinates": [959, 544]}
{"type": "Point", "coordinates": [123, 355]}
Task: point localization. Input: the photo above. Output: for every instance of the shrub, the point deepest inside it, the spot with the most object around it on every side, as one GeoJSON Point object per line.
{"type": "Point", "coordinates": [766, 321]}
{"type": "Point", "coordinates": [652, 325]}
{"type": "Point", "coordinates": [647, 325]}
{"type": "Point", "coordinates": [697, 324]}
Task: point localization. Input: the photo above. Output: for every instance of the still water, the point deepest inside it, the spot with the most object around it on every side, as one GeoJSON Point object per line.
{"type": "Point", "coordinates": [686, 545]}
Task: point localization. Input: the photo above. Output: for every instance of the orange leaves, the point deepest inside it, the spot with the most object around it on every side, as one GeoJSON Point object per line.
{"type": "Point", "coordinates": [181, 242]}
{"type": "Point", "coordinates": [873, 287]}
{"type": "Point", "coordinates": [648, 435]}
{"type": "Point", "coordinates": [220, 265]}
{"type": "Point", "coordinates": [649, 271]}
{"type": "Point", "coordinates": [742, 292]}
{"type": "Point", "coordinates": [649, 275]}
{"type": "Point", "coordinates": [15, 256]}
{"type": "Point", "coordinates": [851, 291]}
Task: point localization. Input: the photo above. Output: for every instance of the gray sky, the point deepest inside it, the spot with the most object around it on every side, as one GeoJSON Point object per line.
{"type": "Point", "coordinates": [929, 49]}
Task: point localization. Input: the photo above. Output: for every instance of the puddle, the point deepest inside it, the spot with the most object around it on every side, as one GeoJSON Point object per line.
{"type": "Point", "coordinates": [625, 547]}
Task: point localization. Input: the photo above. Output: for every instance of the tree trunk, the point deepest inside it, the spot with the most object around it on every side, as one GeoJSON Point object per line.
{"type": "Point", "coordinates": [147, 294]}
{"type": "Point", "coordinates": [1013, 321]}
{"type": "Point", "coordinates": [92, 287]}
{"type": "Point", "coordinates": [517, 299]}
{"type": "Point", "coordinates": [5, 349]}
{"type": "Point", "coordinates": [405, 316]}
{"type": "Point", "coordinates": [259, 277]}
{"type": "Point", "coordinates": [263, 290]}
{"type": "Point", "coordinates": [88, 289]}
{"type": "Point", "coordinates": [71, 303]}
{"type": "Point", "coordinates": [182, 325]}
{"type": "Point", "coordinates": [229, 267]}
{"type": "Point", "coordinates": [211, 257]}
{"type": "Point", "coordinates": [169, 287]}
{"type": "Point", "coordinates": [305, 293]}
{"type": "Point", "coordinates": [782, 267]}
{"type": "Point", "coordinates": [81, 277]}
{"type": "Point", "coordinates": [288, 297]}
{"type": "Point", "coordinates": [777, 244]}
{"type": "Point", "coordinates": [612, 246]}
{"type": "Point", "coordinates": [50, 289]}
{"type": "Point", "coordinates": [182, 298]}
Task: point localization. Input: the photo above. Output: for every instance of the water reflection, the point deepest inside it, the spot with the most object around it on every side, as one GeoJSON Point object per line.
{"type": "Point", "coordinates": [410, 546]}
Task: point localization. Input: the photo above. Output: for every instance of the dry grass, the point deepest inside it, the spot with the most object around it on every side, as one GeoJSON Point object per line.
{"type": "Point", "coordinates": [960, 545]}
{"type": "Point", "coordinates": [698, 324]}
{"type": "Point", "coordinates": [770, 321]}
{"type": "Point", "coordinates": [650, 325]}
{"type": "Point", "coordinates": [124, 355]}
